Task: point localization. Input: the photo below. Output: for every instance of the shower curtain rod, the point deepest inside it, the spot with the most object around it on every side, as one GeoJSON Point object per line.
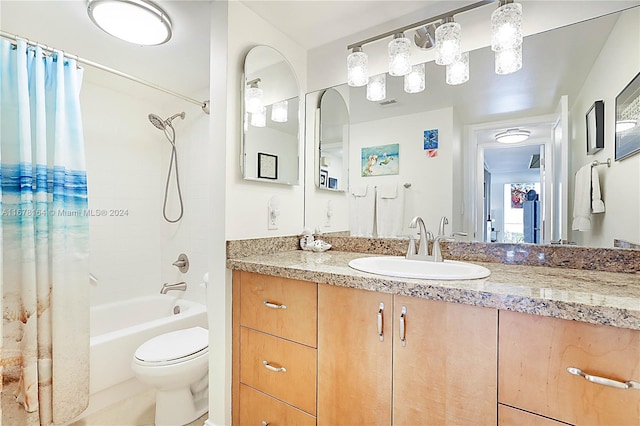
{"type": "Point", "coordinates": [13, 37]}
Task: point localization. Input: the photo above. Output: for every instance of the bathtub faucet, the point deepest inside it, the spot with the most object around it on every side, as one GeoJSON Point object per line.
{"type": "Point", "coordinates": [166, 287]}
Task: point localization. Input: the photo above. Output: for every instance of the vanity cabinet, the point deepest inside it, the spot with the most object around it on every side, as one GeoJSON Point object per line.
{"type": "Point", "coordinates": [435, 364]}
{"type": "Point", "coordinates": [535, 353]}
{"type": "Point", "coordinates": [509, 416]}
{"type": "Point", "coordinates": [274, 350]}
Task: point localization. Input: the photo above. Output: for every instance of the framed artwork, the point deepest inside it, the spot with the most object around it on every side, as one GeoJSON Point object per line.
{"type": "Point", "coordinates": [628, 120]}
{"type": "Point", "coordinates": [267, 166]}
{"type": "Point", "coordinates": [333, 183]}
{"type": "Point", "coordinates": [380, 160]}
{"type": "Point", "coordinates": [595, 127]}
{"type": "Point", "coordinates": [324, 178]}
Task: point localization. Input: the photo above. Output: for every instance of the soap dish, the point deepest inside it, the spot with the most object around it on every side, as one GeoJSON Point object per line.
{"type": "Point", "coordinates": [320, 246]}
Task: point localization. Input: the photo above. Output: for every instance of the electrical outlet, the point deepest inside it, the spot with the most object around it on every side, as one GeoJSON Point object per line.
{"type": "Point", "coordinates": [272, 219]}
{"type": "Point", "coordinates": [329, 214]}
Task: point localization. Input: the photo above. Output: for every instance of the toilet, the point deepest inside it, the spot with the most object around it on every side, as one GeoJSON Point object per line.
{"type": "Point", "coordinates": [177, 365]}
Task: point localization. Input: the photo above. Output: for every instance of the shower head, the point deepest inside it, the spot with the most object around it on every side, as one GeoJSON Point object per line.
{"type": "Point", "coordinates": [162, 124]}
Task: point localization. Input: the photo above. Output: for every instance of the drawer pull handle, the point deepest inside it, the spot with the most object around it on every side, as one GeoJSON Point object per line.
{"type": "Point", "coordinates": [381, 321]}
{"type": "Point", "coordinates": [265, 423]}
{"type": "Point", "coordinates": [273, 305]}
{"type": "Point", "coordinates": [603, 380]}
{"type": "Point", "coordinates": [403, 328]}
{"type": "Point", "coordinates": [274, 369]}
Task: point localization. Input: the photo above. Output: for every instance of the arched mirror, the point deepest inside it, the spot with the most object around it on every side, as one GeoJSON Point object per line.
{"type": "Point", "coordinates": [270, 111]}
{"type": "Point", "coordinates": [333, 145]}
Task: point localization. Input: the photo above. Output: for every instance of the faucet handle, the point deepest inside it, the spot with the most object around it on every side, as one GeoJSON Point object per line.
{"type": "Point", "coordinates": [411, 250]}
{"type": "Point", "coordinates": [458, 234]}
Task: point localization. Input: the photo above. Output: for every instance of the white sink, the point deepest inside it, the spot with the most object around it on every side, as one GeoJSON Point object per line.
{"type": "Point", "coordinates": [398, 266]}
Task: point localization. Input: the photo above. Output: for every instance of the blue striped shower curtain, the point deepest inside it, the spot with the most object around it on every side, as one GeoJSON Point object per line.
{"type": "Point", "coordinates": [44, 268]}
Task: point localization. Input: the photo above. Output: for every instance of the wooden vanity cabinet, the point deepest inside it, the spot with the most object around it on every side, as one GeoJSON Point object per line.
{"type": "Point", "coordinates": [274, 350]}
{"type": "Point", "coordinates": [535, 353]}
{"type": "Point", "coordinates": [445, 373]}
{"type": "Point", "coordinates": [509, 416]}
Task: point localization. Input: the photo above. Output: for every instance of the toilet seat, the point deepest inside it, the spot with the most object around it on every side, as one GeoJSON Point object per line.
{"type": "Point", "coordinates": [173, 347]}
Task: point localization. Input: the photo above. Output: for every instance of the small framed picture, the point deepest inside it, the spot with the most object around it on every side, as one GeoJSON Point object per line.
{"type": "Point", "coordinates": [595, 127]}
{"type": "Point", "coordinates": [267, 166]}
{"type": "Point", "coordinates": [628, 120]}
{"type": "Point", "coordinates": [333, 183]}
{"type": "Point", "coordinates": [324, 178]}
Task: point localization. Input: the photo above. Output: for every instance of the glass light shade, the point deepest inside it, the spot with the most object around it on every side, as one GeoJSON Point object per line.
{"type": "Point", "coordinates": [253, 100]}
{"type": "Point", "coordinates": [509, 61]}
{"type": "Point", "coordinates": [399, 56]}
{"type": "Point", "coordinates": [279, 112]}
{"type": "Point", "coordinates": [506, 27]}
{"type": "Point", "coordinates": [414, 82]}
{"type": "Point", "coordinates": [259, 119]}
{"type": "Point", "coordinates": [357, 68]}
{"type": "Point", "coordinates": [513, 136]}
{"type": "Point", "coordinates": [136, 21]}
{"type": "Point", "coordinates": [377, 88]}
{"type": "Point", "coordinates": [458, 71]}
{"type": "Point", "coordinates": [447, 43]}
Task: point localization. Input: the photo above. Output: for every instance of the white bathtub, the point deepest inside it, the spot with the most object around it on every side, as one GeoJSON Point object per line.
{"type": "Point", "coordinates": [117, 329]}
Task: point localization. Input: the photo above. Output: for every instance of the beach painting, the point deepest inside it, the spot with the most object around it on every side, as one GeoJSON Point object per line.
{"type": "Point", "coordinates": [380, 160]}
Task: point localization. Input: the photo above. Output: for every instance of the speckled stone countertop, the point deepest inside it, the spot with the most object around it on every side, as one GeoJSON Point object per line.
{"type": "Point", "coordinates": [597, 297]}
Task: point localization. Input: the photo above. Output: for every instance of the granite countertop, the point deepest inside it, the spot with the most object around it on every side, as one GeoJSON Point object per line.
{"type": "Point", "coordinates": [597, 297]}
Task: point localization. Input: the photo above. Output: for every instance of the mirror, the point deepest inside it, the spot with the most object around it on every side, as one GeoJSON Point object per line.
{"type": "Point", "coordinates": [571, 61]}
{"type": "Point", "coordinates": [270, 111]}
{"type": "Point", "coordinates": [333, 142]}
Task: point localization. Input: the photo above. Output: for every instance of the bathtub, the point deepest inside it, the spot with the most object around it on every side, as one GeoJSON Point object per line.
{"type": "Point", "coordinates": [117, 329]}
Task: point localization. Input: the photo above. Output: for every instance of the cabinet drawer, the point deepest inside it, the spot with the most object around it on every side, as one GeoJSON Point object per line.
{"type": "Point", "coordinates": [297, 322]}
{"type": "Point", "coordinates": [256, 408]}
{"type": "Point", "coordinates": [535, 352]}
{"type": "Point", "coordinates": [296, 385]}
{"type": "Point", "coordinates": [509, 416]}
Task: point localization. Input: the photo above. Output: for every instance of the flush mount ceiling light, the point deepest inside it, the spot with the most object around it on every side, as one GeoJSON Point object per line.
{"type": "Point", "coordinates": [136, 21]}
{"type": "Point", "coordinates": [357, 72]}
{"type": "Point", "coordinates": [513, 136]}
{"type": "Point", "coordinates": [399, 55]}
{"type": "Point", "coordinates": [624, 125]}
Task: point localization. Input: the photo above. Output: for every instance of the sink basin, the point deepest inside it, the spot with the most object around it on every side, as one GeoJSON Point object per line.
{"type": "Point", "coordinates": [398, 266]}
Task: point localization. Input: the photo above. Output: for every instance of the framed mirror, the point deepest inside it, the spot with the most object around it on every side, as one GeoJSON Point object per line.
{"type": "Point", "coordinates": [271, 124]}
{"type": "Point", "coordinates": [333, 142]}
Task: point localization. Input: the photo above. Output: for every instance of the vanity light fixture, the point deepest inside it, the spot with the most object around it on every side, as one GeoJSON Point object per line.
{"type": "Point", "coordinates": [448, 42]}
{"type": "Point", "coordinates": [253, 97]}
{"type": "Point", "coordinates": [279, 111]}
{"type": "Point", "coordinates": [136, 21]}
{"type": "Point", "coordinates": [377, 88]}
{"type": "Point", "coordinates": [357, 67]}
{"type": "Point", "coordinates": [458, 71]}
{"type": "Point", "coordinates": [513, 136]}
{"type": "Point", "coordinates": [414, 82]}
{"type": "Point", "coordinates": [259, 119]}
{"type": "Point", "coordinates": [399, 55]}
{"type": "Point", "coordinates": [443, 32]}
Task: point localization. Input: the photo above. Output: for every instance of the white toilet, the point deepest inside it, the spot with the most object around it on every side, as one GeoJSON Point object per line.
{"type": "Point", "coordinates": [177, 365]}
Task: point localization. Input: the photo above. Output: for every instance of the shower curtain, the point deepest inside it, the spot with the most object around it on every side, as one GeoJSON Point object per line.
{"type": "Point", "coordinates": [44, 272]}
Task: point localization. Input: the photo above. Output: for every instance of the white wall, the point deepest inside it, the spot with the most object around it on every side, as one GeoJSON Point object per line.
{"type": "Point", "coordinates": [431, 179]}
{"type": "Point", "coordinates": [617, 64]}
{"type": "Point", "coordinates": [246, 201]}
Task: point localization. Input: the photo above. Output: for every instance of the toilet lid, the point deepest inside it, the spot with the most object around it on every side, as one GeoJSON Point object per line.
{"type": "Point", "coordinates": [174, 345]}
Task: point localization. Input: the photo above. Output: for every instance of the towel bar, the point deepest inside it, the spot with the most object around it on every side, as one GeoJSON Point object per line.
{"type": "Point", "coordinates": [598, 163]}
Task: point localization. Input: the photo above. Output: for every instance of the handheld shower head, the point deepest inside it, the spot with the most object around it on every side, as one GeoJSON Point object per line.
{"type": "Point", "coordinates": [162, 124]}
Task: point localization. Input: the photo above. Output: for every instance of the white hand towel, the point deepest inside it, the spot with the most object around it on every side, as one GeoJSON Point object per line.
{"type": "Point", "coordinates": [582, 200]}
{"type": "Point", "coordinates": [361, 209]}
{"type": "Point", "coordinates": [389, 211]}
{"type": "Point", "coordinates": [597, 205]}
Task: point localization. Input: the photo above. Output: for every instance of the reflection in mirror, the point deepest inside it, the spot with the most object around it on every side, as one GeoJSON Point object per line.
{"type": "Point", "coordinates": [270, 110]}
{"type": "Point", "coordinates": [333, 149]}
{"type": "Point", "coordinates": [564, 72]}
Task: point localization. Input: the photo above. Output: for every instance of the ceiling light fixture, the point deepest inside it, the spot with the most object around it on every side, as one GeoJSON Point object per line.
{"type": "Point", "coordinates": [357, 64]}
{"type": "Point", "coordinates": [624, 125]}
{"type": "Point", "coordinates": [253, 97]}
{"type": "Point", "coordinates": [443, 32]}
{"type": "Point", "coordinates": [136, 21]}
{"type": "Point", "coordinates": [513, 136]}
{"type": "Point", "coordinates": [399, 55]}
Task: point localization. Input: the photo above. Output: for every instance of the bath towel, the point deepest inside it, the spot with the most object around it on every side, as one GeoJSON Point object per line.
{"type": "Point", "coordinates": [361, 211]}
{"type": "Point", "coordinates": [587, 198]}
{"type": "Point", "coordinates": [389, 211]}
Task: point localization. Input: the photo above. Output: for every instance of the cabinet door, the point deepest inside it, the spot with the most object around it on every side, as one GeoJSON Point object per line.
{"type": "Point", "coordinates": [354, 366]}
{"type": "Point", "coordinates": [509, 416]}
{"type": "Point", "coordinates": [257, 408]}
{"type": "Point", "coordinates": [445, 371]}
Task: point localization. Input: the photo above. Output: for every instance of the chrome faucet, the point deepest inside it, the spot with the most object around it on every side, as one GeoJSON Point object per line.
{"type": "Point", "coordinates": [166, 287]}
{"type": "Point", "coordinates": [436, 251]}
{"type": "Point", "coordinates": [443, 221]}
{"type": "Point", "coordinates": [425, 237]}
